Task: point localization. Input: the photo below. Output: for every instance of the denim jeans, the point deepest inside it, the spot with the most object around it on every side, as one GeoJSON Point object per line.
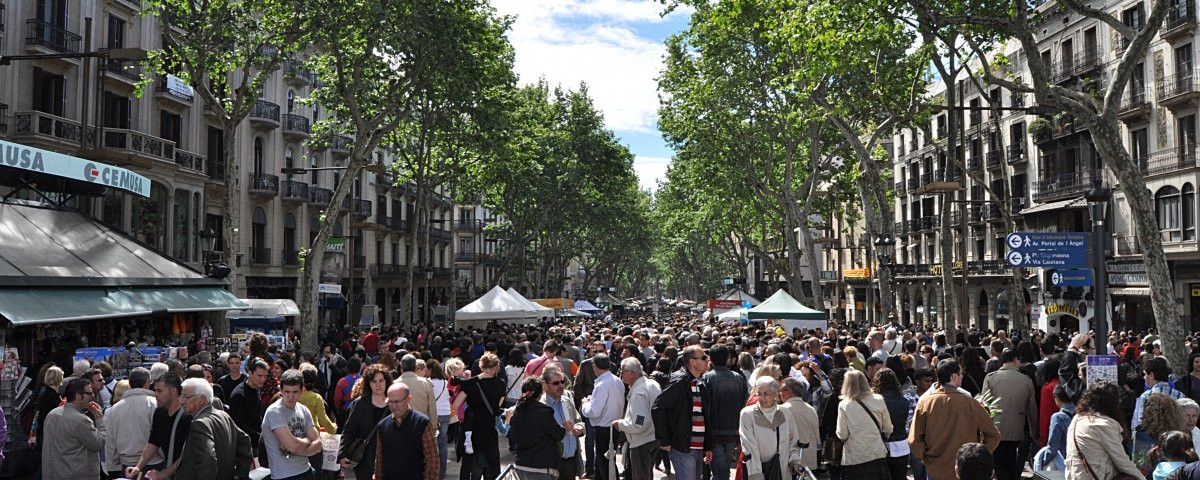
{"type": "Point", "coordinates": [443, 447]}
{"type": "Point", "coordinates": [687, 464]}
{"type": "Point", "coordinates": [722, 459]}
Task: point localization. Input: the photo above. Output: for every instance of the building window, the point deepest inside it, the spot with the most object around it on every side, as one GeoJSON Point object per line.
{"type": "Point", "coordinates": [171, 127]}
{"type": "Point", "coordinates": [289, 237]}
{"type": "Point", "coordinates": [291, 101]}
{"type": "Point", "coordinates": [258, 156]}
{"type": "Point", "coordinates": [258, 236]}
{"type": "Point", "coordinates": [49, 92]}
{"type": "Point", "coordinates": [116, 32]}
{"type": "Point", "coordinates": [1166, 208]}
{"type": "Point", "coordinates": [181, 225]}
{"type": "Point", "coordinates": [1189, 212]}
{"type": "Point", "coordinates": [117, 111]}
{"type": "Point", "coordinates": [113, 213]}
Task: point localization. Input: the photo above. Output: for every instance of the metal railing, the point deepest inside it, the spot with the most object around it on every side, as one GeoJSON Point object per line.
{"type": "Point", "coordinates": [319, 196]}
{"type": "Point", "coordinates": [189, 160]}
{"type": "Point", "coordinates": [1181, 14]}
{"type": "Point", "coordinates": [43, 124]}
{"type": "Point", "coordinates": [1016, 152]}
{"type": "Point", "coordinates": [296, 123]}
{"type": "Point", "coordinates": [1177, 85]}
{"type": "Point", "coordinates": [139, 143]}
{"type": "Point", "coordinates": [1127, 245]}
{"type": "Point", "coordinates": [263, 182]}
{"type": "Point", "coordinates": [1170, 160]}
{"type": "Point", "coordinates": [1062, 185]}
{"type": "Point", "coordinates": [1086, 61]}
{"type": "Point", "coordinates": [265, 110]}
{"type": "Point", "coordinates": [293, 189]}
{"type": "Point", "coordinates": [1062, 70]}
{"type": "Point", "coordinates": [342, 144]}
{"type": "Point", "coordinates": [993, 159]}
{"type": "Point", "coordinates": [1132, 99]}
{"type": "Point", "coordinates": [43, 34]}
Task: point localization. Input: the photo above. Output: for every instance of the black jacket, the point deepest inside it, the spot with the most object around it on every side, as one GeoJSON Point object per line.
{"type": "Point", "coordinates": [725, 396]}
{"type": "Point", "coordinates": [672, 413]}
{"type": "Point", "coordinates": [536, 435]}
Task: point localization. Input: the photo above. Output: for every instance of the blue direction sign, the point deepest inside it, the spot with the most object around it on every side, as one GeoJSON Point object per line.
{"type": "Point", "coordinates": [1071, 278]}
{"type": "Point", "coordinates": [1047, 249]}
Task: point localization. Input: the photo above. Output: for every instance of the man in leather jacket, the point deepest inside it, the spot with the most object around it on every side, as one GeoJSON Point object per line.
{"type": "Point", "coordinates": [725, 393]}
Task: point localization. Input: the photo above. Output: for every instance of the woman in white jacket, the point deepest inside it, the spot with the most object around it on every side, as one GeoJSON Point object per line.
{"type": "Point", "coordinates": [768, 435]}
{"type": "Point", "coordinates": [863, 422]}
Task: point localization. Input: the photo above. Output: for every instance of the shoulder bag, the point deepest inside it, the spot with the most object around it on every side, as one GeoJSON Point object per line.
{"type": "Point", "coordinates": [500, 425]}
{"type": "Point", "coordinates": [1119, 475]}
{"type": "Point", "coordinates": [358, 448]}
{"type": "Point", "coordinates": [882, 436]}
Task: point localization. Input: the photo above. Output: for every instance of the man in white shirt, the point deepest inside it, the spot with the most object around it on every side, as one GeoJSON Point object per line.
{"type": "Point", "coordinates": [605, 406]}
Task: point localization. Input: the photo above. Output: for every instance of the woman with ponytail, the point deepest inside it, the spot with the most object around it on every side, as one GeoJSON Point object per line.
{"type": "Point", "coordinates": [536, 433]}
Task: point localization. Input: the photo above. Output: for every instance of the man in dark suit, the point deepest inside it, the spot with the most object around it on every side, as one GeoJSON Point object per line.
{"type": "Point", "coordinates": [216, 447]}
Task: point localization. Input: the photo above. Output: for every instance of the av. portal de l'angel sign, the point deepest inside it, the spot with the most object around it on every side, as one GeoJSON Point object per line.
{"type": "Point", "coordinates": [1047, 249]}
{"type": "Point", "coordinates": [47, 162]}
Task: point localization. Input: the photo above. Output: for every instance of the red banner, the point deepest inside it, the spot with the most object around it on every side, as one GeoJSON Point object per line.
{"type": "Point", "coordinates": [714, 304]}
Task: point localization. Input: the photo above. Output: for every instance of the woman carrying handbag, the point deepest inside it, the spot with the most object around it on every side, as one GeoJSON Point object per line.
{"type": "Point", "coordinates": [864, 424]}
{"type": "Point", "coordinates": [1094, 451]}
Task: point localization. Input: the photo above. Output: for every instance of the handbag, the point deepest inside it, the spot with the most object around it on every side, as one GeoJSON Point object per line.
{"type": "Point", "coordinates": [500, 425]}
{"type": "Point", "coordinates": [882, 436]}
{"type": "Point", "coordinates": [832, 450]}
{"type": "Point", "coordinates": [358, 448]}
{"type": "Point", "coordinates": [1119, 475]}
{"type": "Point", "coordinates": [770, 468]}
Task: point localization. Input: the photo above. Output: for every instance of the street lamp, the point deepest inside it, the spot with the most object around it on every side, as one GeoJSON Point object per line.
{"type": "Point", "coordinates": [1097, 200]}
{"type": "Point", "coordinates": [214, 265]}
{"type": "Point", "coordinates": [885, 248]}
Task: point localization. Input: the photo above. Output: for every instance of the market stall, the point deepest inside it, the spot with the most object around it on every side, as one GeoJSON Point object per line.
{"type": "Point", "coordinates": [495, 305]}
{"type": "Point", "coordinates": [783, 310]}
{"type": "Point", "coordinates": [267, 315]}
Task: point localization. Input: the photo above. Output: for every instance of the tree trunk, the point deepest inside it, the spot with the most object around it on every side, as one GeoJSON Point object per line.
{"type": "Point", "coordinates": [309, 341]}
{"type": "Point", "coordinates": [233, 208]}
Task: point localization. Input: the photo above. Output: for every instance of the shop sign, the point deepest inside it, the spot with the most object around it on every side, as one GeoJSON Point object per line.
{"type": "Point", "coordinates": [859, 273]}
{"type": "Point", "coordinates": [1127, 275]}
{"type": "Point", "coordinates": [330, 288]}
{"type": "Point", "coordinates": [179, 88]}
{"type": "Point", "coordinates": [335, 245]}
{"type": "Point", "coordinates": [1061, 308]}
{"type": "Point", "coordinates": [714, 304]}
{"type": "Point", "coordinates": [37, 160]}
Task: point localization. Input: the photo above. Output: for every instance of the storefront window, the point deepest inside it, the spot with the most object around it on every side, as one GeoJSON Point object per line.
{"type": "Point", "coordinates": [113, 213]}
{"type": "Point", "coordinates": [180, 234]}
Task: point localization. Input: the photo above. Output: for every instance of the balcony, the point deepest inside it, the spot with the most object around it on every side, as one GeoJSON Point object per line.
{"type": "Point", "coordinates": [1087, 62]}
{"type": "Point", "coordinates": [994, 213]}
{"type": "Point", "coordinates": [389, 270]}
{"type": "Point", "coordinates": [466, 257]}
{"type": "Point", "coordinates": [296, 127]}
{"type": "Point", "coordinates": [1018, 204]}
{"type": "Point", "coordinates": [1062, 70]}
{"type": "Point", "coordinates": [1170, 160]}
{"type": "Point", "coordinates": [295, 73]}
{"type": "Point", "coordinates": [291, 258]}
{"type": "Point", "coordinates": [914, 226]}
{"type": "Point", "coordinates": [928, 223]}
{"type": "Point", "coordinates": [900, 227]}
{"type": "Point", "coordinates": [263, 184]}
{"type": "Point", "coordinates": [1134, 106]}
{"type": "Point", "coordinates": [993, 159]}
{"type": "Point", "coordinates": [265, 114]}
{"type": "Point", "coordinates": [975, 214]}
{"type": "Point", "coordinates": [1062, 186]}
{"type": "Point", "coordinates": [975, 165]}
{"type": "Point", "coordinates": [127, 71]}
{"type": "Point", "coordinates": [215, 166]}
{"type": "Point", "coordinates": [468, 226]}
{"type": "Point", "coordinates": [1127, 246]}
{"type": "Point", "coordinates": [397, 224]}
{"type": "Point", "coordinates": [1180, 90]}
{"type": "Point", "coordinates": [1016, 154]}
{"type": "Point", "coordinates": [49, 130]}
{"type": "Point", "coordinates": [319, 197]}
{"type": "Point", "coordinates": [899, 188]}
{"type": "Point", "coordinates": [40, 34]}
{"type": "Point", "coordinates": [192, 162]}
{"type": "Point", "coordinates": [359, 262]}
{"type": "Point", "coordinates": [294, 191]}
{"type": "Point", "coordinates": [357, 207]}
{"type": "Point", "coordinates": [136, 147]}
{"type": "Point", "coordinates": [926, 178]}
{"type": "Point", "coordinates": [441, 235]}
{"type": "Point", "coordinates": [914, 183]}
{"type": "Point", "coordinates": [341, 145]}
{"type": "Point", "coordinates": [1180, 22]}
{"type": "Point", "coordinates": [442, 273]}
{"type": "Point", "coordinates": [1062, 126]}
{"type": "Point", "coordinates": [260, 256]}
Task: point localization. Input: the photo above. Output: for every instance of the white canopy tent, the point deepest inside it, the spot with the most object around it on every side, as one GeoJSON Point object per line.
{"type": "Point", "coordinates": [733, 315]}
{"type": "Point", "coordinates": [542, 310]}
{"type": "Point", "coordinates": [496, 305]}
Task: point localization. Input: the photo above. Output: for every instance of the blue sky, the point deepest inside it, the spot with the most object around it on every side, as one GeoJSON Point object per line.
{"type": "Point", "coordinates": [616, 47]}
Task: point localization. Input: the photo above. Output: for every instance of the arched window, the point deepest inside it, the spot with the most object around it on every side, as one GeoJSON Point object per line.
{"type": "Point", "coordinates": [288, 155]}
{"type": "Point", "coordinates": [1189, 212]}
{"type": "Point", "coordinates": [258, 155]}
{"type": "Point", "coordinates": [259, 253]}
{"type": "Point", "coordinates": [1166, 209]}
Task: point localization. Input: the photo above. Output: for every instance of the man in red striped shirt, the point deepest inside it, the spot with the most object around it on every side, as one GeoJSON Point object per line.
{"type": "Point", "coordinates": [679, 417]}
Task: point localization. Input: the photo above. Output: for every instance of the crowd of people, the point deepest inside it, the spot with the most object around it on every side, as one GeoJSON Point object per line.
{"type": "Point", "coordinates": [623, 396]}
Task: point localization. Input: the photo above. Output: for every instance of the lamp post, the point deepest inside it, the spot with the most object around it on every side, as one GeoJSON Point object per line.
{"type": "Point", "coordinates": [885, 248]}
{"type": "Point", "coordinates": [1097, 200]}
{"type": "Point", "coordinates": [214, 265]}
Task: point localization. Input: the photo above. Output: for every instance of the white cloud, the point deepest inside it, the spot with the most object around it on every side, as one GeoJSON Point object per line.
{"type": "Point", "coordinates": [592, 41]}
{"type": "Point", "coordinates": [650, 171]}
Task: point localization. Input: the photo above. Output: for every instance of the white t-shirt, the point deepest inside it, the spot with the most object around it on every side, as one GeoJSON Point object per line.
{"type": "Point", "coordinates": [441, 393]}
{"type": "Point", "coordinates": [298, 421]}
{"type": "Point", "coordinates": [514, 377]}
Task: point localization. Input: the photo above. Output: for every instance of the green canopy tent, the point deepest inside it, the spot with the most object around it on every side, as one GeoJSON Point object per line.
{"type": "Point", "coordinates": [789, 313]}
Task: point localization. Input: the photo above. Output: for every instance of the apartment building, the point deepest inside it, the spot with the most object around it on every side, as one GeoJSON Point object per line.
{"type": "Point", "coordinates": [89, 108]}
{"type": "Point", "coordinates": [1049, 165]}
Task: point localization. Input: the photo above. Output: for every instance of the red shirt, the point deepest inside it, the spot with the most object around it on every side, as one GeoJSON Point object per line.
{"type": "Point", "coordinates": [1046, 409]}
{"type": "Point", "coordinates": [370, 342]}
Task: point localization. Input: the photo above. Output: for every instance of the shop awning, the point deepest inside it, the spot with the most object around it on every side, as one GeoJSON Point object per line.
{"type": "Point", "coordinates": [183, 300]}
{"type": "Point", "coordinates": [28, 306]}
{"type": "Point", "coordinates": [1048, 207]}
{"type": "Point", "coordinates": [265, 308]}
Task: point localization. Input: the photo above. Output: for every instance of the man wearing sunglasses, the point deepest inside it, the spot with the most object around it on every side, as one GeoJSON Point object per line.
{"type": "Point", "coordinates": [679, 417]}
{"type": "Point", "coordinates": [72, 441]}
{"type": "Point", "coordinates": [562, 401]}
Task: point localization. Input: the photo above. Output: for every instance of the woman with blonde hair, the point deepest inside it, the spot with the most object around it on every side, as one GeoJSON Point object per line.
{"type": "Point", "coordinates": [768, 437]}
{"type": "Point", "coordinates": [119, 391]}
{"type": "Point", "coordinates": [863, 423]}
{"type": "Point", "coordinates": [483, 394]}
{"type": "Point", "coordinates": [47, 398]}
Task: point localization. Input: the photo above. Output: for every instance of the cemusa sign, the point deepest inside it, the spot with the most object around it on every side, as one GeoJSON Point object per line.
{"type": "Point", "coordinates": [15, 155]}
